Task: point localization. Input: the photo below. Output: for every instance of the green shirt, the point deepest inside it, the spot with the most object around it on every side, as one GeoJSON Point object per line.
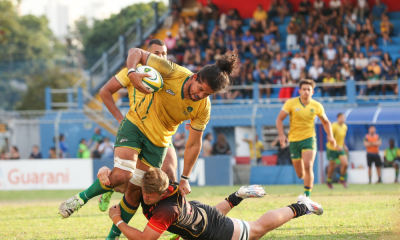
{"type": "Point", "coordinates": [84, 153]}
{"type": "Point", "coordinates": [392, 154]}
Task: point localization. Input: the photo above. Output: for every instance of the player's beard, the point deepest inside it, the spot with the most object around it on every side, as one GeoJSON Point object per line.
{"type": "Point", "coordinates": [190, 94]}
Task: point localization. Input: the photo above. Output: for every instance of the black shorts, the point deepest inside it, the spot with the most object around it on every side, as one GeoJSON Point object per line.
{"type": "Point", "coordinates": [219, 227]}
{"type": "Point", "coordinates": [374, 157]}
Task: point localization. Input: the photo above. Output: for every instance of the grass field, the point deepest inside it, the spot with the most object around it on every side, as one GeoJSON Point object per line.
{"type": "Point", "coordinates": [360, 212]}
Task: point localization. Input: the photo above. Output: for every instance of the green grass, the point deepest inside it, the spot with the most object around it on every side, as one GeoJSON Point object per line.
{"type": "Point", "coordinates": [360, 212]}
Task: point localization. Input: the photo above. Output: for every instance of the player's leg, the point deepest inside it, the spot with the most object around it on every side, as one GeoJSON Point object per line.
{"type": "Point", "coordinates": [308, 159]}
{"type": "Point", "coordinates": [331, 168]}
{"type": "Point", "coordinates": [378, 164]}
{"type": "Point", "coordinates": [396, 167]}
{"type": "Point", "coordinates": [295, 154]}
{"type": "Point", "coordinates": [369, 163]}
{"type": "Point", "coordinates": [170, 163]}
{"type": "Point", "coordinates": [252, 191]}
{"type": "Point", "coordinates": [124, 165]}
{"type": "Point", "coordinates": [274, 219]}
{"type": "Point", "coordinates": [343, 169]}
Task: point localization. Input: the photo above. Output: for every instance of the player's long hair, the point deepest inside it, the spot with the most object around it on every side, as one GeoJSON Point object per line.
{"type": "Point", "coordinates": [217, 75]}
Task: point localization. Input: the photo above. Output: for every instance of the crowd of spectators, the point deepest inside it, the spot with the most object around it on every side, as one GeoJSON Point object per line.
{"type": "Point", "coordinates": [324, 42]}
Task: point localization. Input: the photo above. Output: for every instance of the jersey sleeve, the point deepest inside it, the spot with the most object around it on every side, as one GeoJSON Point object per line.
{"type": "Point", "coordinates": [164, 67]}
{"type": "Point", "coordinates": [386, 150]}
{"type": "Point", "coordinates": [122, 77]}
{"type": "Point", "coordinates": [334, 128]}
{"type": "Point", "coordinates": [321, 110]}
{"type": "Point", "coordinates": [287, 106]}
{"type": "Point", "coordinates": [200, 121]}
{"type": "Point", "coordinates": [162, 219]}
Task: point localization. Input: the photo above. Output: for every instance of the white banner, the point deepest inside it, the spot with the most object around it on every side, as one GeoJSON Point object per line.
{"type": "Point", "coordinates": [46, 174]}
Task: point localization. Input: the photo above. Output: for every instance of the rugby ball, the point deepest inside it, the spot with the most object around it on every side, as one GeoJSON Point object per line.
{"type": "Point", "coordinates": [154, 83]}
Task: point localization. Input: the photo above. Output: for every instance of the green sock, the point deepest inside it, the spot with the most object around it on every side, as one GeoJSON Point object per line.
{"type": "Point", "coordinates": [127, 212]}
{"type": "Point", "coordinates": [94, 190]}
{"type": "Point", "coordinates": [342, 178]}
{"type": "Point", "coordinates": [329, 180]}
{"type": "Point", "coordinates": [307, 191]}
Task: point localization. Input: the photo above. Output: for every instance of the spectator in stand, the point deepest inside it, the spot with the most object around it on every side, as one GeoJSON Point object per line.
{"type": "Point", "coordinates": [176, 11]}
{"type": "Point", "coordinates": [373, 83]}
{"type": "Point", "coordinates": [96, 137]}
{"type": "Point", "coordinates": [316, 72]}
{"type": "Point", "coordinates": [264, 80]}
{"type": "Point", "coordinates": [262, 65]}
{"type": "Point", "coordinates": [199, 11]}
{"type": "Point", "coordinates": [207, 146]}
{"type": "Point", "coordinates": [299, 61]}
{"type": "Point", "coordinates": [83, 150]}
{"type": "Point", "coordinates": [260, 16]}
{"type": "Point", "coordinates": [106, 149]}
{"type": "Point", "coordinates": [278, 67]}
{"type": "Point", "coordinates": [52, 153]}
{"type": "Point", "coordinates": [235, 80]}
{"type": "Point", "coordinates": [304, 8]}
{"type": "Point", "coordinates": [337, 45]}
{"type": "Point", "coordinates": [273, 48]}
{"type": "Point", "coordinates": [170, 42]}
{"type": "Point", "coordinates": [273, 28]}
{"type": "Point", "coordinates": [362, 9]}
{"type": "Point", "coordinates": [248, 81]}
{"type": "Point", "coordinates": [350, 20]}
{"type": "Point", "coordinates": [95, 153]}
{"type": "Point", "coordinates": [330, 53]}
{"type": "Point", "coordinates": [313, 48]}
{"type": "Point", "coordinates": [216, 32]}
{"type": "Point", "coordinates": [201, 35]}
{"type": "Point", "coordinates": [284, 9]}
{"type": "Point", "coordinates": [192, 52]}
{"type": "Point", "coordinates": [291, 39]}
{"type": "Point", "coordinates": [345, 71]}
{"type": "Point", "coordinates": [386, 29]}
{"type": "Point", "coordinates": [4, 154]}
{"type": "Point", "coordinates": [190, 64]}
{"type": "Point", "coordinates": [247, 40]}
{"type": "Point", "coordinates": [389, 74]}
{"type": "Point", "coordinates": [360, 64]}
{"type": "Point", "coordinates": [273, 9]}
{"type": "Point", "coordinates": [268, 36]}
{"type": "Point", "coordinates": [375, 53]}
{"type": "Point", "coordinates": [341, 90]}
{"type": "Point", "coordinates": [330, 89]}
{"type": "Point", "coordinates": [319, 5]}
{"type": "Point", "coordinates": [14, 153]}
{"type": "Point", "coordinates": [371, 36]}
{"type": "Point", "coordinates": [378, 10]}
{"type": "Point", "coordinates": [255, 29]}
{"type": "Point", "coordinates": [392, 158]}
{"type": "Point", "coordinates": [336, 5]}
{"type": "Point", "coordinates": [259, 147]}
{"type": "Point", "coordinates": [221, 146]}
{"type": "Point", "coordinates": [257, 49]}
{"type": "Point", "coordinates": [35, 154]}
{"type": "Point", "coordinates": [347, 59]}
{"type": "Point", "coordinates": [372, 142]}
{"type": "Point", "coordinates": [374, 67]}
{"type": "Point", "coordinates": [283, 153]}
{"type": "Point", "coordinates": [63, 147]}
{"type": "Point", "coordinates": [210, 11]}
{"type": "Point", "coordinates": [294, 73]}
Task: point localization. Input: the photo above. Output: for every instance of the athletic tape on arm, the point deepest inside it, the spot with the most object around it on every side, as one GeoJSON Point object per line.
{"type": "Point", "coordinates": [127, 165]}
{"type": "Point", "coordinates": [137, 177]}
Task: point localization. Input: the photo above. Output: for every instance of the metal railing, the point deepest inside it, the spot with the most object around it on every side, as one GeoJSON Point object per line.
{"type": "Point", "coordinates": [115, 57]}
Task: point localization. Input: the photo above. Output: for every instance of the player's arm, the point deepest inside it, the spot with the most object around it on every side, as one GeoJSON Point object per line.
{"type": "Point", "coordinates": [384, 156]}
{"type": "Point", "coordinates": [279, 125]}
{"type": "Point", "coordinates": [192, 151]}
{"type": "Point", "coordinates": [130, 232]}
{"type": "Point", "coordinates": [366, 143]}
{"type": "Point", "coordinates": [136, 56]}
{"type": "Point", "coordinates": [378, 143]}
{"type": "Point", "coordinates": [106, 92]}
{"type": "Point", "coordinates": [328, 128]}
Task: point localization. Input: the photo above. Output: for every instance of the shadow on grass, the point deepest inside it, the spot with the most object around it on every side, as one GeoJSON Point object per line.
{"type": "Point", "coordinates": [372, 235]}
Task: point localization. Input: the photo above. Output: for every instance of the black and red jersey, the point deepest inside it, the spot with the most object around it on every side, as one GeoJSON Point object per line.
{"type": "Point", "coordinates": [190, 220]}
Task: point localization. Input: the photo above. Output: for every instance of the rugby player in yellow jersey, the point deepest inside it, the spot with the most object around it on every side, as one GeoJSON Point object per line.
{"type": "Point", "coordinates": [146, 130]}
{"type": "Point", "coordinates": [339, 130]}
{"type": "Point", "coordinates": [117, 82]}
{"type": "Point", "coordinates": [302, 111]}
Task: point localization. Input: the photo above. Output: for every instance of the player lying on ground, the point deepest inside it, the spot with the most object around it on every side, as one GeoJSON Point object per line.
{"type": "Point", "coordinates": [121, 80]}
{"type": "Point", "coordinates": [339, 130]}
{"type": "Point", "coordinates": [303, 146]}
{"type": "Point", "coordinates": [145, 133]}
{"type": "Point", "coordinates": [167, 210]}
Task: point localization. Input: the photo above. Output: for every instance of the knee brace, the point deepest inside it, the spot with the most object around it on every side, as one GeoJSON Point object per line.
{"type": "Point", "coordinates": [127, 165]}
{"type": "Point", "coordinates": [137, 177]}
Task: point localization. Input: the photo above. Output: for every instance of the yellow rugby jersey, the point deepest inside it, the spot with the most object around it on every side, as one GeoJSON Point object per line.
{"type": "Point", "coordinates": [158, 115]}
{"type": "Point", "coordinates": [302, 118]}
{"type": "Point", "coordinates": [339, 133]}
{"type": "Point", "coordinates": [133, 94]}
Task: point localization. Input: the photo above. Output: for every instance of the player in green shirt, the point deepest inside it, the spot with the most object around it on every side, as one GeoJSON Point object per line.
{"type": "Point", "coordinates": [392, 157]}
{"type": "Point", "coordinates": [83, 151]}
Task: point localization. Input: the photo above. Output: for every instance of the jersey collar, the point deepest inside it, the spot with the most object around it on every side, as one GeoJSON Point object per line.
{"type": "Point", "coordinates": [182, 93]}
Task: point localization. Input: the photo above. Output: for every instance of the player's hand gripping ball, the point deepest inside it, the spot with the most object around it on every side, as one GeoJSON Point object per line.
{"type": "Point", "coordinates": [154, 83]}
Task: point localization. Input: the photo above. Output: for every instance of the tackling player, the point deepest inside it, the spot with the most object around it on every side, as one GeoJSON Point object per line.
{"type": "Point", "coordinates": [302, 111]}
{"type": "Point", "coordinates": [117, 82]}
{"type": "Point", "coordinates": [167, 210]}
{"type": "Point", "coordinates": [339, 130]}
{"type": "Point", "coordinates": [146, 131]}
